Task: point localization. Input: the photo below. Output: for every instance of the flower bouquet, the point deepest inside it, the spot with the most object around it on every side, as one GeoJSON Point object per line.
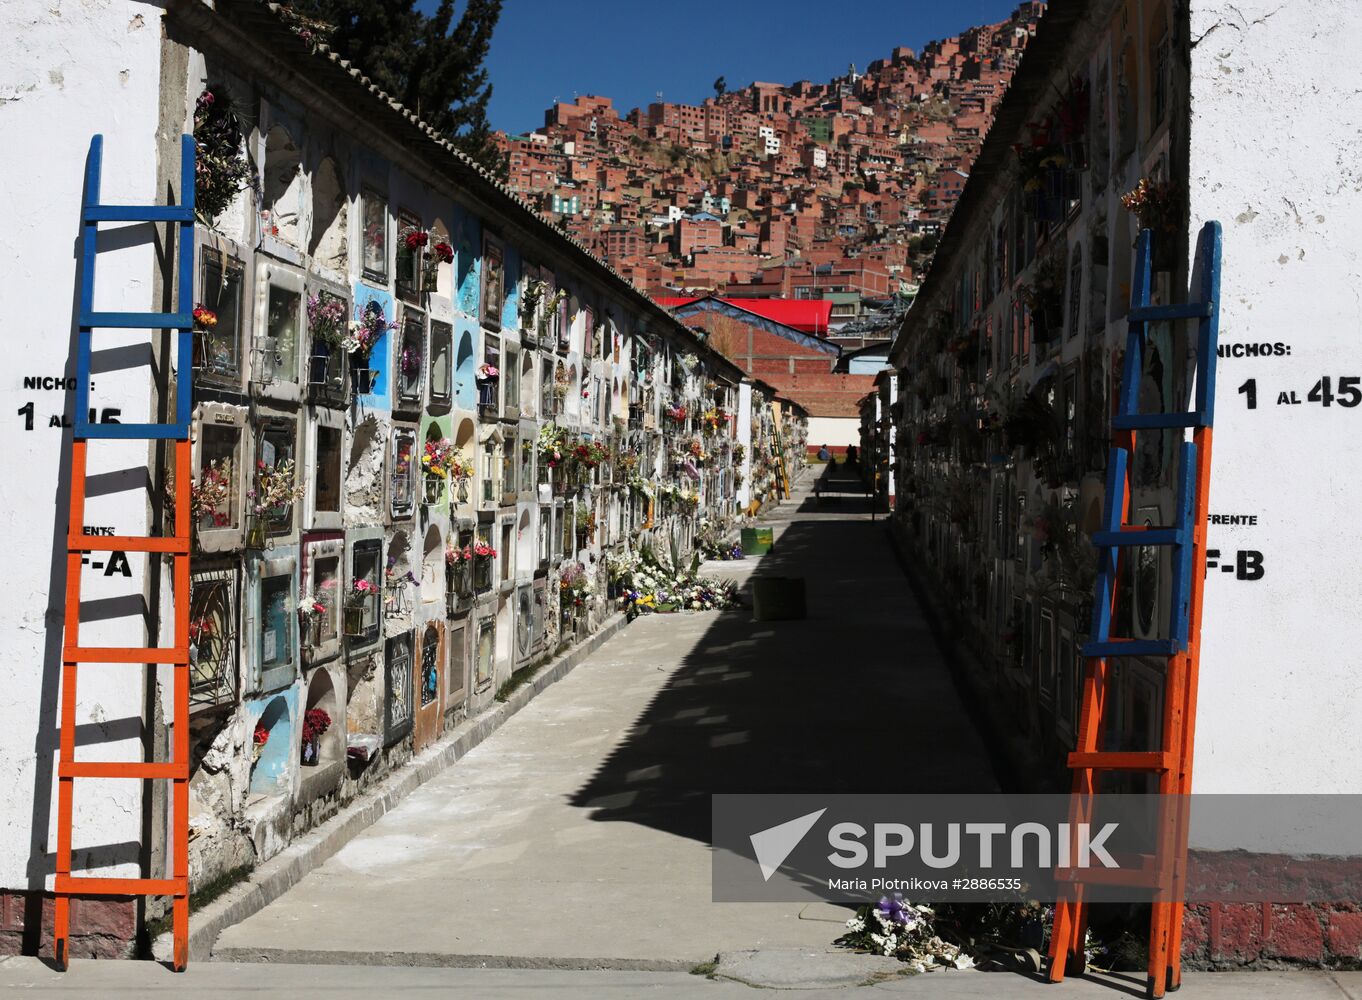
{"type": "Point", "coordinates": [362, 593]}
{"type": "Point", "coordinates": [1158, 207]}
{"type": "Point", "coordinates": [272, 499]}
{"type": "Point", "coordinates": [366, 330]}
{"type": "Point", "coordinates": [310, 614]}
{"type": "Point", "coordinates": [316, 721]}
{"type": "Point", "coordinates": [221, 168]}
{"type": "Point", "coordinates": [210, 495]}
{"type": "Point", "coordinates": [259, 738]}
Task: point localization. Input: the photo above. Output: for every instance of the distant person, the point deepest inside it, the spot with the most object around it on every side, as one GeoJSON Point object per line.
{"type": "Point", "coordinates": [824, 454]}
{"type": "Point", "coordinates": [851, 455]}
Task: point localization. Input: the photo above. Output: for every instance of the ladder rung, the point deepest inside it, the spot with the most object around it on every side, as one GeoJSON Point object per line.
{"type": "Point", "coordinates": [1157, 421]}
{"type": "Point", "coordinates": [136, 321]}
{"type": "Point", "coordinates": [1139, 536]}
{"type": "Point", "coordinates": [1131, 647]}
{"type": "Point", "coordinates": [138, 213]}
{"type": "Point", "coordinates": [1123, 761]}
{"type": "Point", "coordinates": [125, 543]}
{"type": "Point", "coordinates": [72, 885]}
{"type": "Point", "coordinates": [1182, 310]}
{"type": "Point", "coordinates": [128, 769]}
{"type": "Point", "coordinates": [136, 432]}
{"type": "Point", "coordinates": [125, 654]}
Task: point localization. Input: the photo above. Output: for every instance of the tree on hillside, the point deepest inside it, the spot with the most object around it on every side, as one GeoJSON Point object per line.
{"type": "Point", "coordinates": [431, 64]}
{"type": "Point", "coordinates": [720, 86]}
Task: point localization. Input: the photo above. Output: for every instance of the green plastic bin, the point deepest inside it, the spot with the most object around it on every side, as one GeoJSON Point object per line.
{"type": "Point", "coordinates": [778, 598]}
{"type": "Point", "coordinates": [757, 541]}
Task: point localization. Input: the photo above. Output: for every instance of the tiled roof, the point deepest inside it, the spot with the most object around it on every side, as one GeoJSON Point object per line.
{"type": "Point", "coordinates": [804, 315]}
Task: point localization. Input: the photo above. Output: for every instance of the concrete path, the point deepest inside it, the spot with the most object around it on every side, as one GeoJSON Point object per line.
{"type": "Point", "coordinates": [577, 836]}
{"type": "Point", "coordinates": [231, 981]}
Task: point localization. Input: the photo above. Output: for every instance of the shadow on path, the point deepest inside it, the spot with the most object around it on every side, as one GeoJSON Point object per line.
{"type": "Point", "coordinates": [857, 698]}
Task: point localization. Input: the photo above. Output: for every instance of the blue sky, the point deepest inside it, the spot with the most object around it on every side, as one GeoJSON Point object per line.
{"type": "Point", "coordinates": [630, 49]}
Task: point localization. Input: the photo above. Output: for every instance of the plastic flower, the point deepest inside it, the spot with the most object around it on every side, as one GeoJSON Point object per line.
{"type": "Point", "coordinates": [204, 318]}
{"type": "Point", "coordinates": [415, 239]}
{"type": "Point", "coordinates": [444, 252]}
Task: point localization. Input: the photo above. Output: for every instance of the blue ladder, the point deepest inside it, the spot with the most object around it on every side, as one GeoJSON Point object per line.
{"type": "Point", "coordinates": [1164, 871]}
{"type": "Point", "coordinates": [65, 885]}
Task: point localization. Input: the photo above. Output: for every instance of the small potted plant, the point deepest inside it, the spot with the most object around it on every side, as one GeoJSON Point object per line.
{"type": "Point", "coordinates": [271, 500]}
{"type": "Point", "coordinates": [310, 614]}
{"type": "Point", "coordinates": [365, 331]}
{"type": "Point", "coordinates": [326, 315]}
{"type": "Point", "coordinates": [411, 245]}
{"type": "Point", "coordinates": [316, 721]}
{"type": "Point", "coordinates": [361, 597]}
{"type": "Point", "coordinates": [458, 573]}
{"type": "Point", "coordinates": [1158, 207]}
{"type": "Point", "coordinates": [210, 495]}
{"type": "Point", "coordinates": [221, 167]}
{"type": "Point", "coordinates": [483, 554]}
{"type": "Point", "coordinates": [439, 468]}
{"type": "Point", "coordinates": [204, 322]}
{"type": "Point", "coordinates": [440, 253]}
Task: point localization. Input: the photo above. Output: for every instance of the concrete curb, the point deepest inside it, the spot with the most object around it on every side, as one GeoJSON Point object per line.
{"type": "Point", "coordinates": [280, 873]}
{"type": "Point", "coordinates": [439, 960]}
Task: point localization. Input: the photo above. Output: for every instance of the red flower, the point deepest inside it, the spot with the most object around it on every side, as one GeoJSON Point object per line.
{"type": "Point", "coordinates": [445, 252]}
{"type": "Point", "coordinates": [416, 239]}
{"type": "Point", "coordinates": [261, 735]}
{"type": "Point", "coordinates": [315, 722]}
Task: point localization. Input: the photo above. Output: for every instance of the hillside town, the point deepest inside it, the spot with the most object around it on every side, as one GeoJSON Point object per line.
{"type": "Point", "coordinates": [625, 576]}
{"type": "Point", "coordinates": [790, 191]}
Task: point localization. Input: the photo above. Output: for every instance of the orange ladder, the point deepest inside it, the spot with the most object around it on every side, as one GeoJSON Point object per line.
{"type": "Point", "coordinates": [78, 544]}
{"type": "Point", "coordinates": [1164, 872]}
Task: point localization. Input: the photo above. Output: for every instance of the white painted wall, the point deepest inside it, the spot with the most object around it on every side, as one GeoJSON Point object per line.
{"type": "Point", "coordinates": [835, 432]}
{"type": "Point", "coordinates": [1276, 156]}
{"type": "Point", "coordinates": [72, 68]}
{"type": "Point", "coordinates": [744, 430]}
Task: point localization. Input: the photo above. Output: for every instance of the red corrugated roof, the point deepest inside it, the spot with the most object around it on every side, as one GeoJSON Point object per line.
{"type": "Point", "coordinates": [804, 315]}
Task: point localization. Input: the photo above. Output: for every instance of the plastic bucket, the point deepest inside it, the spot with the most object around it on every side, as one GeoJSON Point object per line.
{"type": "Point", "coordinates": [757, 541]}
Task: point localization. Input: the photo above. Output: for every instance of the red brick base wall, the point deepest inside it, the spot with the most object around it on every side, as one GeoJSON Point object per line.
{"type": "Point", "coordinates": [101, 927]}
{"type": "Point", "coordinates": [1235, 935]}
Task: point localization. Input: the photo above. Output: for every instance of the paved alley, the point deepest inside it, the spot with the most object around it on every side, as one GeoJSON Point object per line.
{"type": "Point", "coordinates": [577, 835]}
